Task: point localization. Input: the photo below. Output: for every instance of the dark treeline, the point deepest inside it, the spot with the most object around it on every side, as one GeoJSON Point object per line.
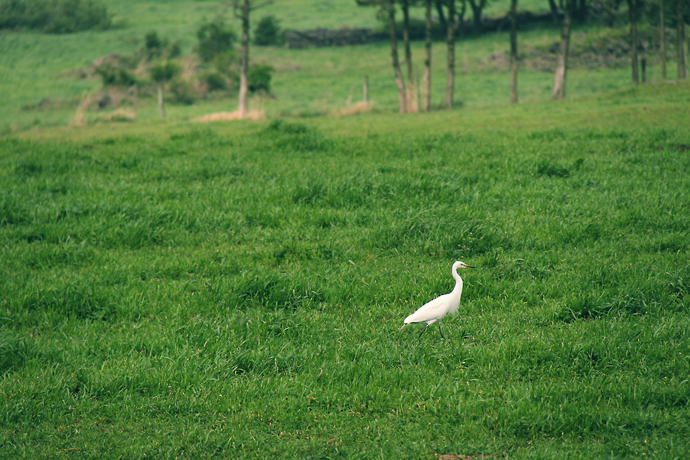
{"type": "Point", "coordinates": [54, 16]}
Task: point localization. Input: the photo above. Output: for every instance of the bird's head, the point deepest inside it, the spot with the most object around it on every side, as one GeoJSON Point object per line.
{"type": "Point", "coordinates": [459, 264]}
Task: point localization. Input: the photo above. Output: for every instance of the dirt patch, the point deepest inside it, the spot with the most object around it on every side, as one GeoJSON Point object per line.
{"type": "Point", "coordinates": [254, 115]}
{"type": "Point", "coordinates": [353, 109]}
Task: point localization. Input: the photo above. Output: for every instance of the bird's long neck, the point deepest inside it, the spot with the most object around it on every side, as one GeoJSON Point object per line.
{"type": "Point", "coordinates": [458, 283]}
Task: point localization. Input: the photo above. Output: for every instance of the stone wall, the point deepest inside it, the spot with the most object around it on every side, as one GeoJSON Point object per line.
{"type": "Point", "coordinates": [326, 37]}
{"type": "Point", "coordinates": [343, 37]}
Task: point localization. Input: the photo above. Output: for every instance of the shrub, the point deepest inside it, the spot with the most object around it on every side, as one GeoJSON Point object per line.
{"type": "Point", "coordinates": [214, 39]}
{"type": "Point", "coordinates": [215, 81]}
{"type": "Point", "coordinates": [113, 75]}
{"type": "Point", "coordinates": [160, 47]}
{"type": "Point", "coordinates": [267, 31]}
{"type": "Point", "coordinates": [182, 91]}
{"type": "Point", "coordinates": [152, 42]}
{"type": "Point", "coordinates": [224, 61]}
{"type": "Point", "coordinates": [54, 16]}
{"type": "Point", "coordinates": [259, 77]}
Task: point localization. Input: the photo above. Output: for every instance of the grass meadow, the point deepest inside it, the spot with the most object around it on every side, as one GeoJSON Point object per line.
{"type": "Point", "coordinates": [235, 290]}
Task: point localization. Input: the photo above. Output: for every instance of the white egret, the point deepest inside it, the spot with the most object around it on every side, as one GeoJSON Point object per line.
{"type": "Point", "coordinates": [434, 311]}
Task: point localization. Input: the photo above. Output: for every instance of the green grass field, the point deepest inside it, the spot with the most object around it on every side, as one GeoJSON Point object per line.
{"type": "Point", "coordinates": [234, 290]}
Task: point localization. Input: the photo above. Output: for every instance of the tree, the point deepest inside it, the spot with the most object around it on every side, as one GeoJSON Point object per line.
{"type": "Point", "coordinates": [562, 66]}
{"type": "Point", "coordinates": [554, 12]}
{"type": "Point", "coordinates": [156, 47]}
{"type": "Point", "coordinates": [632, 8]}
{"type": "Point", "coordinates": [427, 57]}
{"type": "Point", "coordinates": [513, 52]}
{"type": "Point", "coordinates": [162, 72]}
{"type": "Point", "coordinates": [410, 102]}
{"type": "Point", "coordinates": [242, 9]}
{"type": "Point", "coordinates": [441, 16]}
{"type": "Point", "coordinates": [214, 39]}
{"type": "Point", "coordinates": [662, 40]}
{"type": "Point", "coordinates": [386, 12]}
{"type": "Point", "coordinates": [680, 43]}
{"type": "Point", "coordinates": [450, 73]}
{"type": "Point", "coordinates": [267, 31]}
{"type": "Point", "coordinates": [477, 8]}
{"type": "Point", "coordinates": [402, 96]}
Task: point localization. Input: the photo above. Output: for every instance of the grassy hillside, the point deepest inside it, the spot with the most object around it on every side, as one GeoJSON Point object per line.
{"type": "Point", "coordinates": [235, 290]}
{"type": "Point", "coordinates": [44, 75]}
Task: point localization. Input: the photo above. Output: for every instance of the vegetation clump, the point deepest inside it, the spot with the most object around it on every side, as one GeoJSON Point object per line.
{"type": "Point", "coordinates": [267, 32]}
{"type": "Point", "coordinates": [54, 16]}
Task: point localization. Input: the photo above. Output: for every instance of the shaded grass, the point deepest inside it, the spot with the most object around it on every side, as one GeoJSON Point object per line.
{"type": "Point", "coordinates": [236, 290]}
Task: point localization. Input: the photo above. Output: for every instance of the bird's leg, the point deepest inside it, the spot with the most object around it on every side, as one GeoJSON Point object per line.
{"type": "Point", "coordinates": [420, 334]}
{"type": "Point", "coordinates": [439, 329]}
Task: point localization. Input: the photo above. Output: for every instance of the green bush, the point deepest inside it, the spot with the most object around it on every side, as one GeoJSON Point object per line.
{"type": "Point", "coordinates": [160, 47]}
{"type": "Point", "coordinates": [267, 31]}
{"type": "Point", "coordinates": [182, 91]}
{"type": "Point", "coordinates": [113, 75]}
{"type": "Point", "coordinates": [225, 61]}
{"type": "Point", "coordinates": [215, 81]}
{"type": "Point", "coordinates": [54, 16]}
{"type": "Point", "coordinates": [152, 41]}
{"type": "Point", "coordinates": [214, 39]}
{"type": "Point", "coordinates": [259, 78]}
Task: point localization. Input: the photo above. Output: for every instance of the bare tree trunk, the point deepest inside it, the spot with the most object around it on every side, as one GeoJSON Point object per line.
{"type": "Point", "coordinates": [427, 60]}
{"type": "Point", "coordinates": [562, 67]}
{"type": "Point", "coordinates": [554, 12]}
{"type": "Point", "coordinates": [460, 20]}
{"type": "Point", "coordinates": [450, 74]}
{"type": "Point", "coordinates": [477, 8]}
{"type": "Point", "coordinates": [244, 58]}
{"type": "Point", "coordinates": [632, 7]}
{"type": "Point", "coordinates": [662, 40]}
{"type": "Point", "coordinates": [513, 52]}
{"type": "Point", "coordinates": [394, 54]}
{"type": "Point", "coordinates": [441, 17]}
{"type": "Point", "coordinates": [161, 108]}
{"type": "Point", "coordinates": [411, 100]}
{"type": "Point", "coordinates": [680, 34]}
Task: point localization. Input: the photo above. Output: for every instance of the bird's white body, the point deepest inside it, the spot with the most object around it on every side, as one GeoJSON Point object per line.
{"type": "Point", "coordinates": [434, 311]}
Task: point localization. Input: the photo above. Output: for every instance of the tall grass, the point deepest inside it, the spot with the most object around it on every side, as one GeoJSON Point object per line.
{"type": "Point", "coordinates": [237, 290]}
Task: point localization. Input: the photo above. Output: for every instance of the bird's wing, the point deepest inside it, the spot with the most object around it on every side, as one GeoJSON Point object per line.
{"type": "Point", "coordinates": [430, 311]}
